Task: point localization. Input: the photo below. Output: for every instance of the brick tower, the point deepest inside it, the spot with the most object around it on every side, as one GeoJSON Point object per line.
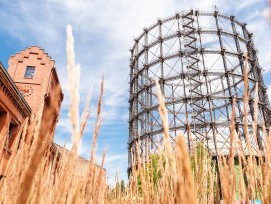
{"type": "Point", "coordinates": [33, 72]}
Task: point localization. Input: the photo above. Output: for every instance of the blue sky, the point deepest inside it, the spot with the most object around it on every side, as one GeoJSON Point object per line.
{"type": "Point", "coordinates": [104, 31]}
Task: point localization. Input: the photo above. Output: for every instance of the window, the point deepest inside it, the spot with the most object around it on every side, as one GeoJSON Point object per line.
{"type": "Point", "coordinates": [3, 117]}
{"type": "Point", "coordinates": [29, 72]}
{"type": "Point", "coordinates": [12, 133]}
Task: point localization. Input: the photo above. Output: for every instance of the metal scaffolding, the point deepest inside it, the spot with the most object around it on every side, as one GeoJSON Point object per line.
{"type": "Point", "coordinates": [198, 58]}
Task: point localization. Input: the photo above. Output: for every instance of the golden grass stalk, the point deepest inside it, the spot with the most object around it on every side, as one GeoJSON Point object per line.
{"type": "Point", "coordinates": [144, 187]}
{"type": "Point", "coordinates": [163, 114]}
{"type": "Point", "coordinates": [39, 147]}
{"type": "Point", "coordinates": [74, 78]}
{"type": "Point", "coordinates": [227, 171]}
{"type": "Point", "coordinates": [185, 191]}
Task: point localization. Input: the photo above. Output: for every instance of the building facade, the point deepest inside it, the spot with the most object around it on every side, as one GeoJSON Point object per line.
{"type": "Point", "coordinates": [30, 86]}
{"type": "Point", "coordinates": [13, 111]}
{"type": "Point", "coordinates": [33, 72]}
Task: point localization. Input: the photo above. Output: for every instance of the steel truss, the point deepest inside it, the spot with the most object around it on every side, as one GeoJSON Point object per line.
{"type": "Point", "coordinates": [199, 59]}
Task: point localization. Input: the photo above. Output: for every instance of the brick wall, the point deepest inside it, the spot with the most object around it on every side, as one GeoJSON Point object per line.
{"type": "Point", "coordinates": [8, 115]}
{"type": "Point", "coordinates": [81, 165]}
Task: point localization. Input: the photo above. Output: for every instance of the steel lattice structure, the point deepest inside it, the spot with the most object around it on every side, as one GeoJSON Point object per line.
{"type": "Point", "coordinates": [199, 59]}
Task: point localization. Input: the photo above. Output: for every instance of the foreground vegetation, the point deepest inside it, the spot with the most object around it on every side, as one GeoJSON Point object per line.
{"type": "Point", "coordinates": [169, 176]}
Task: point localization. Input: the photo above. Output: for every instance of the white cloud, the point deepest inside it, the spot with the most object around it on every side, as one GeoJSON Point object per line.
{"type": "Point", "coordinates": [114, 163]}
{"type": "Point", "coordinates": [269, 92]}
{"type": "Point", "coordinates": [246, 4]}
{"type": "Point", "coordinates": [64, 124]}
{"type": "Point", "coordinates": [267, 13]}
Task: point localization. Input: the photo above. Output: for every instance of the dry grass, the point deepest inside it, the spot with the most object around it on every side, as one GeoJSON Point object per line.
{"type": "Point", "coordinates": [33, 178]}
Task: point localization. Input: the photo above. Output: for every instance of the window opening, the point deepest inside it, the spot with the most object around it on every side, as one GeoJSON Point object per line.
{"type": "Point", "coordinates": [29, 72]}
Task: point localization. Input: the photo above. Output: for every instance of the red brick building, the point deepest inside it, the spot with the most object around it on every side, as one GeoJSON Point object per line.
{"type": "Point", "coordinates": [33, 72]}
{"type": "Point", "coordinates": [13, 111]}
{"type": "Point", "coordinates": [31, 85]}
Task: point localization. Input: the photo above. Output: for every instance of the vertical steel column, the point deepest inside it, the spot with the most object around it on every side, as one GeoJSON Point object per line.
{"type": "Point", "coordinates": [161, 80]}
{"type": "Point", "coordinates": [241, 63]}
{"type": "Point", "coordinates": [146, 87]}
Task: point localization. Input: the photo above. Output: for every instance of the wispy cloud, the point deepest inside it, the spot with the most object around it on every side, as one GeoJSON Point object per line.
{"type": "Point", "coordinates": [246, 4]}
{"type": "Point", "coordinates": [269, 92]}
